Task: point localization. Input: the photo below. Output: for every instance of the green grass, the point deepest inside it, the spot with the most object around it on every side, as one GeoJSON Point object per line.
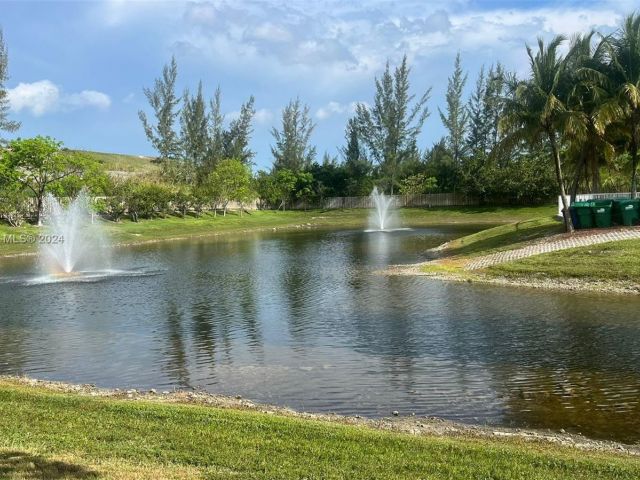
{"type": "Point", "coordinates": [45, 434]}
{"type": "Point", "coordinates": [11, 238]}
{"type": "Point", "coordinates": [504, 237]}
{"type": "Point", "coordinates": [614, 261]}
{"type": "Point", "coordinates": [116, 162]}
{"type": "Point", "coordinates": [178, 227]}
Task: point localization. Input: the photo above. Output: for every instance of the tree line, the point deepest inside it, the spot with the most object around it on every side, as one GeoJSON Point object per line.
{"type": "Point", "coordinates": [571, 124]}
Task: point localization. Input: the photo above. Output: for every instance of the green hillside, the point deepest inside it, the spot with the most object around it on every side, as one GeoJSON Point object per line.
{"type": "Point", "coordinates": [124, 164]}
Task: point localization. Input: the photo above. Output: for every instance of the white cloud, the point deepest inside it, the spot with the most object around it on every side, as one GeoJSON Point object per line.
{"type": "Point", "coordinates": [88, 98]}
{"type": "Point", "coordinates": [335, 108]}
{"type": "Point", "coordinates": [348, 43]}
{"type": "Point", "coordinates": [44, 97]}
{"type": "Point", "coordinates": [38, 97]}
{"type": "Point", "coordinates": [273, 33]}
{"type": "Point", "coordinates": [263, 116]}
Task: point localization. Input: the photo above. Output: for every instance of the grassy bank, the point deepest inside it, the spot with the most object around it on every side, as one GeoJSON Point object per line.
{"type": "Point", "coordinates": [124, 164]}
{"type": "Point", "coordinates": [458, 252]}
{"type": "Point", "coordinates": [47, 434]}
{"type": "Point", "coordinates": [504, 237]}
{"type": "Point", "coordinates": [177, 227]}
{"type": "Point", "coordinates": [607, 262]}
{"type": "Point", "coordinates": [613, 266]}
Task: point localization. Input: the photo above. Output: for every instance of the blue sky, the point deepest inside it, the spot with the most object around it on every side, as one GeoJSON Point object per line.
{"type": "Point", "coordinates": [77, 69]}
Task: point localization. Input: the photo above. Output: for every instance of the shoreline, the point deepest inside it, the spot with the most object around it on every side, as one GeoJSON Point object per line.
{"type": "Point", "coordinates": [550, 284]}
{"type": "Point", "coordinates": [411, 425]}
{"type": "Point", "coordinates": [285, 227]}
{"type": "Point", "coordinates": [172, 228]}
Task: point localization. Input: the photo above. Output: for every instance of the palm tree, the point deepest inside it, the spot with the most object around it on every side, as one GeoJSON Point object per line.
{"type": "Point", "coordinates": [535, 111]}
{"type": "Point", "coordinates": [587, 81]}
{"type": "Point", "coordinates": [623, 108]}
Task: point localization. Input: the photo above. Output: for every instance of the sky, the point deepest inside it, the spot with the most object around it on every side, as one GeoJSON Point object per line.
{"type": "Point", "coordinates": [77, 69]}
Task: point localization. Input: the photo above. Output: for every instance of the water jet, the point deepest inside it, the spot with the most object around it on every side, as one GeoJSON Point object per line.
{"type": "Point", "coordinates": [383, 217]}
{"type": "Point", "coordinates": [73, 242]}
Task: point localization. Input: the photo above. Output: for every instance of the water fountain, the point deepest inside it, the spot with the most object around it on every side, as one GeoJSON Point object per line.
{"type": "Point", "coordinates": [383, 218]}
{"type": "Point", "coordinates": [72, 244]}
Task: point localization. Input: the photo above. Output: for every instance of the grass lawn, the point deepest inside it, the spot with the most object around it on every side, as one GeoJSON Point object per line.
{"type": "Point", "coordinates": [608, 262]}
{"type": "Point", "coordinates": [46, 434]}
{"type": "Point", "coordinates": [116, 162]}
{"type": "Point", "coordinates": [603, 262]}
{"type": "Point", "coordinates": [174, 227]}
{"type": "Point", "coordinates": [504, 237]}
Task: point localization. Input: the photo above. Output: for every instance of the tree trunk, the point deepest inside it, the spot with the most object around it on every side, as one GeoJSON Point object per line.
{"type": "Point", "coordinates": [39, 209]}
{"type": "Point", "coordinates": [595, 172]}
{"type": "Point", "coordinates": [582, 170]}
{"type": "Point", "coordinates": [634, 165]}
{"type": "Point", "coordinates": [568, 224]}
{"type": "Point", "coordinates": [595, 184]}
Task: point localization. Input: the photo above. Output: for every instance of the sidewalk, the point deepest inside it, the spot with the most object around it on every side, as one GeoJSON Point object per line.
{"type": "Point", "coordinates": [554, 244]}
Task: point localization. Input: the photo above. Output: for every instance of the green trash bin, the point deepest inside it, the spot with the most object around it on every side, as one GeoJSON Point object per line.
{"type": "Point", "coordinates": [584, 213]}
{"type": "Point", "coordinates": [602, 213]}
{"type": "Point", "coordinates": [626, 211]}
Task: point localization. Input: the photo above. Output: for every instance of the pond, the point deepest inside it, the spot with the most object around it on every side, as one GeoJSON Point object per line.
{"type": "Point", "coordinates": [301, 319]}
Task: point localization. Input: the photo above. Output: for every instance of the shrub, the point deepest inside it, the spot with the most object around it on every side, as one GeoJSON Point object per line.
{"type": "Point", "coordinates": [148, 199]}
{"type": "Point", "coordinates": [15, 205]}
{"type": "Point", "coordinates": [182, 199]}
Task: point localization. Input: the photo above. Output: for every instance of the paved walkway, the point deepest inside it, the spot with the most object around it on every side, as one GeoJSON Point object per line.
{"type": "Point", "coordinates": [561, 242]}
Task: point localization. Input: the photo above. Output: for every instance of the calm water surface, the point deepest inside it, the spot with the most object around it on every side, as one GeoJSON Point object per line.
{"type": "Point", "coordinates": [300, 319]}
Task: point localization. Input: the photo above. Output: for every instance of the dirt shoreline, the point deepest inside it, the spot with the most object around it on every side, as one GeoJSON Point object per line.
{"type": "Point", "coordinates": [622, 287]}
{"type": "Point", "coordinates": [414, 425]}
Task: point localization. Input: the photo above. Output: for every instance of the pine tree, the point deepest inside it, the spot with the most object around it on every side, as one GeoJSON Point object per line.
{"type": "Point", "coordinates": [456, 117]}
{"type": "Point", "coordinates": [215, 151]}
{"type": "Point", "coordinates": [164, 103]}
{"type": "Point", "coordinates": [236, 139]}
{"type": "Point", "coordinates": [5, 124]}
{"type": "Point", "coordinates": [194, 132]}
{"type": "Point", "coordinates": [292, 150]}
{"type": "Point", "coordinates": [357, 167]}
{"type": "Point", "coordinates": [478, 126]}
{"type": "Point", "coordinates": [494, 103]}
{"type": "Point", "coordinates": [389, 129]}
{"type": "Point", "coordinates": [352, 151]}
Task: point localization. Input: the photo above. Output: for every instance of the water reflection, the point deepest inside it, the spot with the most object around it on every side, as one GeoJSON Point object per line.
{"type": "Point", "coordinates": [301, 320]}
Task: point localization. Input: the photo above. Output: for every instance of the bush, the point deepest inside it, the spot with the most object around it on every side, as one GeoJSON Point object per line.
{"type": "Point", "coordinates": [182, 199]}
{"type": "Point", "coordinates": [117, 202]}
{"type": "Point", "coordinates": [15, 205]}
{"type": "Point", "coordinates": [418, 184]}
{"type": "Point", "coordinates": [148, 199]}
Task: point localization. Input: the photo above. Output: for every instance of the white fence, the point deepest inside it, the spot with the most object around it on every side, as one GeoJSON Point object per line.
{"type": "Point", "coordinates": [329, 203]}
{"type": "Point", "coordinates": [583, 197]}
{"type": "Point", "coordinates": [421, 200]}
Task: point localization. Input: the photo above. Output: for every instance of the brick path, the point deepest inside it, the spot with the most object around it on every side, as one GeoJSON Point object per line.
{"type": "Point", "coordinates": [550, 245]}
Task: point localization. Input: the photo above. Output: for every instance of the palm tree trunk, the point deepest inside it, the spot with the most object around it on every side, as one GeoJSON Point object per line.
{"type": "Point", "coordinates": [581, 171]}
{"type": "Point", "coordinates": [634, 165]}
{"type": "Point", "coordinates": [568, 224]}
